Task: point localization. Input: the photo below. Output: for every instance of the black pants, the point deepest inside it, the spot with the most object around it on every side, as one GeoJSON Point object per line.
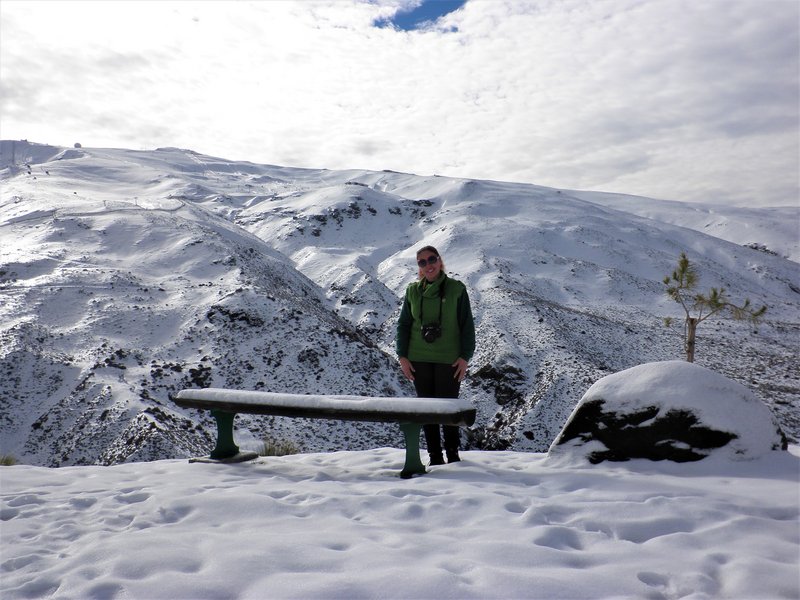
{"type": "Point", "coordinates": [434, 380]}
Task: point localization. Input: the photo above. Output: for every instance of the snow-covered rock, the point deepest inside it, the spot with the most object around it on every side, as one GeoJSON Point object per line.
{"type": "Point", "coordinates": [671, 410]}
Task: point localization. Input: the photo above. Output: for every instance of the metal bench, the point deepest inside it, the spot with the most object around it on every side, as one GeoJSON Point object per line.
{"type": "Point", "coordinates": [409, 413]}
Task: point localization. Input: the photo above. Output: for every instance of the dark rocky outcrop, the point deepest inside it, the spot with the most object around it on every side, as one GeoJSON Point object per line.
{"type": "Point", "coordinates": [671, 410]}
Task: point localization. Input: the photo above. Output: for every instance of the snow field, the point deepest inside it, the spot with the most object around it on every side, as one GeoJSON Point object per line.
{"type": "Point", "coordinates": [343, 525]}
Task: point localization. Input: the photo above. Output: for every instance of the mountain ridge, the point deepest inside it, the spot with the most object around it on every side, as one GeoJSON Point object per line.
{"type": "Point", "coordinates": [133, 273]}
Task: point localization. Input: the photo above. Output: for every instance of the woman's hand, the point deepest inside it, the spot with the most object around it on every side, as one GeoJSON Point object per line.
{"type": "Point", "coordinates": [461, 369]}
{"type": "Point", "coordinates": [407, 368]}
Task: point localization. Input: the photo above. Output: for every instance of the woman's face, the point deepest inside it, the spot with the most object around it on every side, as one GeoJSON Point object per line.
{"type": "Point", "coordinates": [429, 265]}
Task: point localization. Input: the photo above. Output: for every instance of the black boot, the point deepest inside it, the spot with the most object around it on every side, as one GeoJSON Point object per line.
{"type": "Point", "coordinates": [436, 459]}
{"type": "Point", "coordinates": [433, 440]}
{"type": "Point", "coordinates": [452, 440]}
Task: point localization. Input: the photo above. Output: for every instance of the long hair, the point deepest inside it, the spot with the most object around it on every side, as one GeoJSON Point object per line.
{"type": "Point", "coordinates": [434, 251]}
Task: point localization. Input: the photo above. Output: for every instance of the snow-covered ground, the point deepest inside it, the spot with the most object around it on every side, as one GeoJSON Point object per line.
{"type": "Point", "coordinates": [495, 525]}
{"type": "Point", "coordinates": [344, 525]}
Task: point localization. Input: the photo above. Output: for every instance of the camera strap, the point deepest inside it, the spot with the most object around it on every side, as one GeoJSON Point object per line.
{"type": "Point", "coordinates": [441, 299]}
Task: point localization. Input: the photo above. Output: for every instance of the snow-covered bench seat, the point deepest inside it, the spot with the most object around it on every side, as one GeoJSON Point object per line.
{"type": "Point", "coordinates": [410, 413]}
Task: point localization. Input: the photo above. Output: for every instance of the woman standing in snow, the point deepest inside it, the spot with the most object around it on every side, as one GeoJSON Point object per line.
{"type": "Point", "coordinates": [435, 341]}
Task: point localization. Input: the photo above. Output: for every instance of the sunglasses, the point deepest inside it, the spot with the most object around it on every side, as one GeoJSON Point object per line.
{"type": "Point", "coordinates": [432, 260]}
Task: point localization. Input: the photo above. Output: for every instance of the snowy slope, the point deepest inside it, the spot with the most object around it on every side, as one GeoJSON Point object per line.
{"type": "Point", "coordinates": [118, 292]}
{"type": "Point", "coordinates": [775, 229]}
{"type": "Point", "coordinates": [127, 275]}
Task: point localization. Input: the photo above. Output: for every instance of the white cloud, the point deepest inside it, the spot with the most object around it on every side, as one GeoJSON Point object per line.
{"type": "Point", "coordinates": [681, 99]}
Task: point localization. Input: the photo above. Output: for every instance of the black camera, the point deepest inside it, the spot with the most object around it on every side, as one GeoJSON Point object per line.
{"type": "Point", "coordinates": [432, 332]}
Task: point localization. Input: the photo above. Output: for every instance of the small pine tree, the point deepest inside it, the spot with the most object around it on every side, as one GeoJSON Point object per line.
{"type": "Point", "coordinates": [680, 287]}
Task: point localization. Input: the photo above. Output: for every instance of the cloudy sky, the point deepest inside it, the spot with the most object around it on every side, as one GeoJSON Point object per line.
{"type": "Point", "coordinates": [691, 100]}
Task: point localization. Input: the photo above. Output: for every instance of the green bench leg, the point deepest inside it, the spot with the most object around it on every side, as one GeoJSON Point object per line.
{"type": "Point", "coordinates": [226, 447]}
{"type": "Point", "coordinates": [413, 464]}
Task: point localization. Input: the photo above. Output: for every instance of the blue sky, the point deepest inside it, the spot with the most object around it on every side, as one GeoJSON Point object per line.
{"type": "Point", "coordinates": [426, 12]}
{"type": "Point", "coordinates": [693, 100]}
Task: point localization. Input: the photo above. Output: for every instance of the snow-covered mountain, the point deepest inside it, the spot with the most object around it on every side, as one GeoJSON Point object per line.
{"type": "Point", "coordinates": [128, 275]}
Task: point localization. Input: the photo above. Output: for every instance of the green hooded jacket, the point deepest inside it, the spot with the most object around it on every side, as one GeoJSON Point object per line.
{"type": "Point", "coordinates": [458, 327]}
